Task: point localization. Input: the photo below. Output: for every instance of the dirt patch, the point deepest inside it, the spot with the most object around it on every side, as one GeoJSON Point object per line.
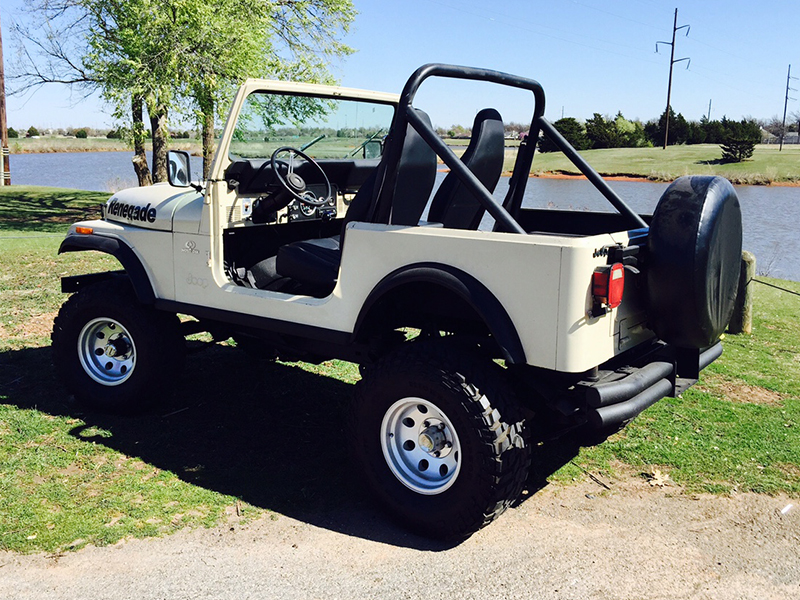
{"type": "Point", "coordinates": [750, 394]}
{"type": "Point", "coordinates": [789, 469]}
{"type": "Point", "coordinates": [571, 176]}
{"type": "Point", "coordinates": [740, 392]}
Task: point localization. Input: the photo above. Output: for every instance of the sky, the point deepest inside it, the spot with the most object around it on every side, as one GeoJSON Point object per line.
{"type": "Point", "coordinates": [589, 55]}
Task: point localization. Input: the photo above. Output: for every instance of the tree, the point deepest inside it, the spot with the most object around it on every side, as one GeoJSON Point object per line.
{"type": "Point", "coordinates": [165, 55]}
{"type": "Point", "coordinates": [13, 133]}
{"type": "Point", "coordinates": [32, 132]}
{"type": "Point", "coordinates": [740, 140]}
{"type": "Point", "coordinates": [602, 133]}
{"type": "Point", "coordinates": [678, 129]}
{"type": "Point", "coordinates": [697, 132]}
{"type": "Point", "coordinates": [458, 131]}
{"type": "Point", "coordinates": [81, 134]}
{"type": "Point", "coordinates": [291, 40]}
{"type": "Point", "coordinates": [572, 131]}
{"type": "Point", "coordinates": [714, 130]}
{"type": "Point", "coordinates": [631, 132]}
{"type": "Point", "coordinates": [774, 125]}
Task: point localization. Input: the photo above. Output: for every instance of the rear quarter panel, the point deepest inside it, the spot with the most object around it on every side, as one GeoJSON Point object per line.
{"type": "Point", "coordinates": [542, 281]}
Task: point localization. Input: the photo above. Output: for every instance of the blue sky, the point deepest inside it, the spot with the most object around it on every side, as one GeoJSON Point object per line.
{"type": "Point", "coordinates": [590, 56]}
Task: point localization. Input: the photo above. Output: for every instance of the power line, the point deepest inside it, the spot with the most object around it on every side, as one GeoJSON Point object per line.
{"type": "Point", "coordinates": [544, 30]}
{"type": "Point", "coordinates": [616, 15]}
{"type": "Point", "coordinates": [672, 62]}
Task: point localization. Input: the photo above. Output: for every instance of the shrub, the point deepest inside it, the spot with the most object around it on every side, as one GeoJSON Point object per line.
{"type": "Point", "coordinates": [740, 140]}
{"type": "Point", "coordinates": [114, 134]}
{"type": "Point", "coordinates": [13, 133]}
{"type": "Point", "coordinates": [81, 134]}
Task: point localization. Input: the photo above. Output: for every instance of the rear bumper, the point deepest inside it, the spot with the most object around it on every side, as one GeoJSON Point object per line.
{"type": "Point", "coordinates": [622, 394]}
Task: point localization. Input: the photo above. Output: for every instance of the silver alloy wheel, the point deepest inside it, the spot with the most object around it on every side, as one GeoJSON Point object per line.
{"type": "Point", "coordinates": [106, 351]}
{"type": "Point", "coordinates": [420, 446]}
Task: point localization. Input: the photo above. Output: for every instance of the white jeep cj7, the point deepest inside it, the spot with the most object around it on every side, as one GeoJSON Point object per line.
{"type": "Point", "coordinates": [319, 235]}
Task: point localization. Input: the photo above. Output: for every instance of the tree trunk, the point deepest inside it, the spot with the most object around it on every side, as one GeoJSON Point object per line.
{"type": "Point", "coordinates": [205, 102]}
{"type": "Point", "coordinates": [158, 128]}
{"type": "Point", "coordinates": [139, 154]}
{"type": "Point", "coordinates": [208, 142]}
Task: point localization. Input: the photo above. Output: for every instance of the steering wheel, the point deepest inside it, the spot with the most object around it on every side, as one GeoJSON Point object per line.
{"type": "Point", "coordinates": [293, 183]}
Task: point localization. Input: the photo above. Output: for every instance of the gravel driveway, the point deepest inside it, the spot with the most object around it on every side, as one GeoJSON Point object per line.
{"type": "Point", "coordinates": [578, 541]}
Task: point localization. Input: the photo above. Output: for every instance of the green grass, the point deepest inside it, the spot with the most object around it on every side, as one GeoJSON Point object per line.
{"type": "Point", "coordinates": [65, 144]}
{"type": "Point", "coordinates": [25, 208]}
{"type": "Point", "coordinates": [241, 438]}
{"type": "Point", "coordinates": [739, 428]}
{"type": "Point", "coordinates": [768, 165]}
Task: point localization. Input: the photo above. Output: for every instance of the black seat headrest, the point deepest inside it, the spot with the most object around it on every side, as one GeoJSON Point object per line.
{"type": "Point", "coordinates": [453, 204]}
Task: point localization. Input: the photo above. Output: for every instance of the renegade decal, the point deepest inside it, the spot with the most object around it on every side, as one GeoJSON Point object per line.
{"type": "Point", "coordinates": [132, 212]}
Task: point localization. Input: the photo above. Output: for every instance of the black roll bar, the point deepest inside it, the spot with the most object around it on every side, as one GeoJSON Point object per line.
{"type": "Point", "coordinates": [504, 214]}
{"type": "Point", "coordinates": [559, 140]}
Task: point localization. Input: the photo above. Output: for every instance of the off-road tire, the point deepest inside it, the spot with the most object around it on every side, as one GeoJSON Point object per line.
{"type": "Point", "coordinates": [152, 339]}
{"type": "Point", "coordinates": [477, 401]}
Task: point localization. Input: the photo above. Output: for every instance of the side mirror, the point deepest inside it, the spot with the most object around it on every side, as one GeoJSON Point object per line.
{"type": "Point", "coordinates": [179, 169]}
{"type": "Point", "coordinates": [373, 149]}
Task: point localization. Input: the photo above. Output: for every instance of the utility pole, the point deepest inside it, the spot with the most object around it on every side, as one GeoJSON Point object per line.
{"type": "Point", "coordinates": [708, 116]}
{"type": "Point", "coordinates": [672, 61]}
{"type": "Point", "coordinates": [6, 169]}
{"type": "Point", "coordinates": [786, 105]}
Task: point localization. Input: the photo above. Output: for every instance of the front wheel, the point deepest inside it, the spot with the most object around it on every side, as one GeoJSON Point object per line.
{"type": "Point", "coordinates": [113, 353]}
{"type": "Point", "coordinates": [441, 440]}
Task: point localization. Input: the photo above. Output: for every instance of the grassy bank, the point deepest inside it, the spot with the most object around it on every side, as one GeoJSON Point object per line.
{"type": "Point", "coordinates": [768, 165]}
{"type": "Point", "coordinates": [66, 144]}
{"type": "Point", "coordinates": [241, 438]}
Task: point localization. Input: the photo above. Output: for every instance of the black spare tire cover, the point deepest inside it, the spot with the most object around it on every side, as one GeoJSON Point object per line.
{"type": "Point", "coordinates": [694, 258]}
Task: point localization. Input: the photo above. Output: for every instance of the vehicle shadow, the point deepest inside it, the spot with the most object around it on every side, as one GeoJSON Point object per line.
{"type": "Point", "coordinates": [271, 434]}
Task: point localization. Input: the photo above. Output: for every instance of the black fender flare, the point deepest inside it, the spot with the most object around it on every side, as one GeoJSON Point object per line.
{"type": "Point", "coordinates": [466, 287]}
{"type": "Point", "coordinates": [122, 252]}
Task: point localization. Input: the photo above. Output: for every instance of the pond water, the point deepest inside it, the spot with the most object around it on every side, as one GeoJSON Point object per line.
{"type": "Point", "coordinates": [771, 214]}
{"type": "Point", "coordinates": [96, 171]}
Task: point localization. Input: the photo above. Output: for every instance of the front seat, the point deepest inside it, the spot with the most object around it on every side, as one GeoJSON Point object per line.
{"type": "Point", "coordinates": [315, 263]}
{"type": "Point", "coordinates": [453, 205]}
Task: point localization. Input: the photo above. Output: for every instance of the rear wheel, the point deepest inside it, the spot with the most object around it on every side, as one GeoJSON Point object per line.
{"type": "Point", "coordinates": [113, 353]}
{"type": "Point", "coordinates": [441, 440]}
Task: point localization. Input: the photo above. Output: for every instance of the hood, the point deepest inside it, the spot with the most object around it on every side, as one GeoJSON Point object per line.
{"type": "Point", "coordinates": [150, 207]}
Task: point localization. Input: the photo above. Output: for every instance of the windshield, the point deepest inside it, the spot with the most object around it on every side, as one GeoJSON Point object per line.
{"type": "Point", "coordinates": [320, 127]}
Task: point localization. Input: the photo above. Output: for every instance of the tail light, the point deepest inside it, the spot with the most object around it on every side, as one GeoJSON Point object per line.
{"type": "Point", "coordinates": [608, 284]}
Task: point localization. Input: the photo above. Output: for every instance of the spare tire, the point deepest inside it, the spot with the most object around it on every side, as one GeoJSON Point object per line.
{"type": "Point", "coordinates": [694, 258]}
